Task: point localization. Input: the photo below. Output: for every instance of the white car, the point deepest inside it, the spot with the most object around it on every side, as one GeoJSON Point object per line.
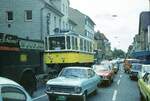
{"type": "Point", "coordinates": [77, 82]}
{"type": "Point", "coordinates": [12, 91]}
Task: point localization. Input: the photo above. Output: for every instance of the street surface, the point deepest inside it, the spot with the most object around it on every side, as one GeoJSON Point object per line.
{"type": "Point", "coordinates": [122, 89]}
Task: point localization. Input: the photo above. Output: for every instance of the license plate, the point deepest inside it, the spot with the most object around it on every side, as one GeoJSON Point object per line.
{"type": "Point", "coordinates": [62, 98]}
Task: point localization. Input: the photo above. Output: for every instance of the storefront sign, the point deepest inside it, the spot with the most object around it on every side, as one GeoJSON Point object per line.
{"type": "Point", "coordinates": [28, 44]}
{"type": "Point", "coordinates": [8, 40]}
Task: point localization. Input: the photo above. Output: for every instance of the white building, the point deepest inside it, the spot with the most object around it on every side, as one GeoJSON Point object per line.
{"type": "Point", "coordinates": [33, 19]}
{"type": "Point", "coordinates": [85, 25]}
{"type": "Point", "coordinates": [63, 6]}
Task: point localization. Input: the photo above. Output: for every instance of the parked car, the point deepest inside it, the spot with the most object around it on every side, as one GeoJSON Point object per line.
{"type": "Point", "coordinates": [73, 82]}
{"type": "Point", "coordinates": [145, 69]}
{"type": "Point", "coordinates": [105, 73]}
{"type": "Point", "coordinates": [12, 91]}
{"type": "Point", "coordinates": [135, 69]}
{"type": "Point", "coordinates": [144, 87]}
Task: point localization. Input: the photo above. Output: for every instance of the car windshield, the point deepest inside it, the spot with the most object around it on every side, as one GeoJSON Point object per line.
{"type": "Point", "coordinates": [146, 68]}
{"type": "Point", "coordinates": [136, 67]}
{"type": "Point", "coordinates": [100, 68]}
{"type": "Point", "coordinates": [79, 73]}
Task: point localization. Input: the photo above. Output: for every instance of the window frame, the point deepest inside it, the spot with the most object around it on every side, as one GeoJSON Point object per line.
{"type": "Point", "coordinates": [25, 14]}
{"type": "Point", "coordinates": [8, 17]}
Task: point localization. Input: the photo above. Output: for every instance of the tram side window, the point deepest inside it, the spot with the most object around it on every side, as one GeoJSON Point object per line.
{"type": "Point", "coordinates": [68, 42]}
{"type": "Point", "coordinates": [81, 44]}
{"type": "Point", "coordinates": [46, 46]}
{"type": "Point", "coordinates": [73, 43]}
{"type": "Point", "coordinates": [57, 43]}
{"type": "Point", "coordinates": [90, 47]}
{"type": "Point", "coordinates": [84, 45]}
{"type": "Point", "coordinates": [76, 44]}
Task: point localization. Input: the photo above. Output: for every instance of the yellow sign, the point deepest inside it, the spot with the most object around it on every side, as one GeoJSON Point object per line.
{"type": "Point", "coordinates": [23, 57]}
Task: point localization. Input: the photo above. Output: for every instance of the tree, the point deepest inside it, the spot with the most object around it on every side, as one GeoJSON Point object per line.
{"type": "Point", "coordinates": [118, 53]}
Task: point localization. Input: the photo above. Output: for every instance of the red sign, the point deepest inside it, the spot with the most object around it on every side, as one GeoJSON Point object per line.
{"type": "Point", "coordinates": [5, 48]}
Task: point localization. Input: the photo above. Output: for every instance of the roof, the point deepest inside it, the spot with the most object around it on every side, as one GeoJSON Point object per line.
{"type": "Point", "coordinates": [72, 22]}
{"type": "Point", "coordinates": [7, 81]}
{"type": "Point", "coordinates": [51, 6]}
{"type": "Point", "coordinates": [79, 13]}
{"type": "Point", "coordinates": [144, 21]}
{"type": "Point", "coordinates": [78, 67]}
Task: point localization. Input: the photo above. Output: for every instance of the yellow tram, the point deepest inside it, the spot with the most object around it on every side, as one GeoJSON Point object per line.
{"type": "Point", "coordinates": [68, 49]}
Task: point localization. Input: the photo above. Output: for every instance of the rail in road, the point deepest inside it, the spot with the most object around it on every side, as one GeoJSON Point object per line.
{"type": "Point", "coordinates": [122, 89]}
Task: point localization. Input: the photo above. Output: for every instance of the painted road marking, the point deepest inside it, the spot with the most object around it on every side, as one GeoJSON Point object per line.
{"type": "Point", "coordinates": [114, 95]}
{"type": "Point", "coordinates": [118, 82]}
{"type": "Point", "coordinates": [39, 97]}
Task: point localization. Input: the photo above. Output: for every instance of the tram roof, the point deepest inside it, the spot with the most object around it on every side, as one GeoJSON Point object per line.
{"type": "Point", "coordinates": [64, 34]}
{"type": "Point", "coordinates": [70, 33]}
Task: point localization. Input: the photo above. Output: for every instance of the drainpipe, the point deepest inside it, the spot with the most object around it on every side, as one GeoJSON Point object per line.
{"type": "Point", "coordinates": [42, 36]}
{"type": "Point", "coordinates": [41, 29]}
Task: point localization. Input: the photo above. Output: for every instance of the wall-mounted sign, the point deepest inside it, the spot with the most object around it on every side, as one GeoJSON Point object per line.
{"type": "Point", "coordinates": [9, 40]}
{"type": "Point", "coordinates": [29, 44]}
{"type": "Point", "coordinates": [23, 58]}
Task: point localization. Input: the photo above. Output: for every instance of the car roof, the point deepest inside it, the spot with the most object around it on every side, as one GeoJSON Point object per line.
{"type": "Point", "coordinates": [136, 64]}
{"type": "Point", "coordinates": [77, 67]}
{"type": "Point", "coordinates": [5, 81]}
{"type": "Point", "coordinates": [145, 65]}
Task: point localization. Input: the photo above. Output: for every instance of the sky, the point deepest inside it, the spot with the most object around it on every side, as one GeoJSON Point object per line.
{"type": "Point", "coordinates": [117, 19]}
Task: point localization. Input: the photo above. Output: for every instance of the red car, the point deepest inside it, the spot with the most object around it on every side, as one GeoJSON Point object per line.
{"type": "Point", "coordinates": [105, 73]}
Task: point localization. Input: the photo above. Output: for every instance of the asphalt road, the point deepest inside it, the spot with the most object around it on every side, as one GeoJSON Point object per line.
{"type": "Point", "coordinates": [122, 89]}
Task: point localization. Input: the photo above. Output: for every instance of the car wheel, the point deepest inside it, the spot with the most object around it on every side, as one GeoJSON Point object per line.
{"type": "Point", "coordinates": [95, 92]}
{"type": "Point", "coordinates": [112, 80]}
{"type": "Point", "coordinates": [141, 97]}
{"type": "Point", "coordinates": [28, 81]}
{"type": "Point", "coordinates": [52, 98]}
{"type": "Point", "coordinates": [109, 82]}
{"type": "Point", "coordinates": [147, 99]}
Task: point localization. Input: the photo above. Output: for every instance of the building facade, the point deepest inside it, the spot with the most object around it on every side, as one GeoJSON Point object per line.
{"type": "Point", "coordinates": [23, 19]}
{"type": "Point", "coordinates": [63, 7]}
{"type": "Point", "coordinates": [85, 25]}
{"type": "Point", "coordinates": [102, 47]}
{"type": "Point", "coordinates": [141, 42]}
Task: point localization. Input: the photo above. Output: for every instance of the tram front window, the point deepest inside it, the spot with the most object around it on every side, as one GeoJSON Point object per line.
{"type": "Point", "coordinates": [57, 43]}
